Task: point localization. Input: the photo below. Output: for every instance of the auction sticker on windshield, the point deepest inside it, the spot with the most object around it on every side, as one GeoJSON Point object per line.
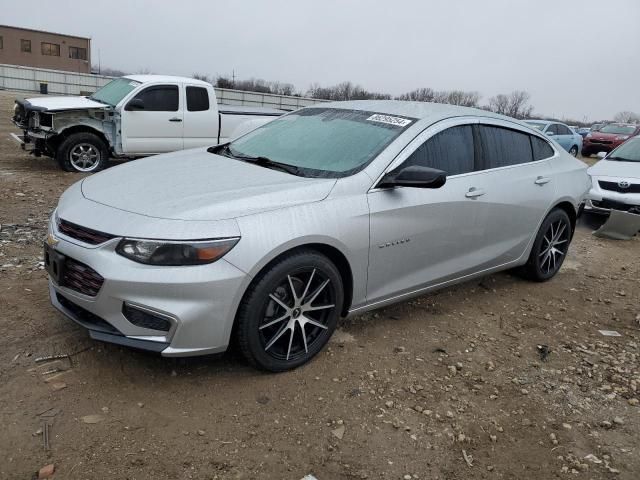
{"type": "Point", "coordinates": [389, 120]}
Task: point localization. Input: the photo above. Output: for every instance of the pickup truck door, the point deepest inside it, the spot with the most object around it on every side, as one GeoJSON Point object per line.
{"type": "Point", "coordinates": [201, 120]}
{"type": "Point", "coordinates": [156, 124]}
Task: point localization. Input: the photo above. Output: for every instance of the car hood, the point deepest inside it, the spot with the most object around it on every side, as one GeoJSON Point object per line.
{"type": "Point", "coordinates": [615, 168]}
{"type": "Point", "coordinates": [604, 136]}
{"type": "Point", "coordinates": [198, 185]}
{"type": "Point", "coordinates": [63, 103]}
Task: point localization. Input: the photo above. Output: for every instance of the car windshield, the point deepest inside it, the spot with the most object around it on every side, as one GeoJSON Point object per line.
{"type": "Point", "coordinates": [629, 151]}
{"type": "Point", "coordinates": [322, 142]}
{"type": "Point", "coordinates": [539, 126]}
{"type": "Point", "coordinates": [114, 91]}
{"type": "Point", "coordinates": [618, 129]}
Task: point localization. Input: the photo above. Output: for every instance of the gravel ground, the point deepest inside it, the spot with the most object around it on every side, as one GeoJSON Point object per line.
{"type": "Point", "coordinates": [450, 385]}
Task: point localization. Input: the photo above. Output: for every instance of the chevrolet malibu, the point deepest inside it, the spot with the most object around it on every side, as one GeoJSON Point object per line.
{"type": "Point", "coordinates": [325, 212]}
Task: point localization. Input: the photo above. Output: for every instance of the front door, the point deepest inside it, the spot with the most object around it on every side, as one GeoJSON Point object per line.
{"type": "Point", "coordinates": [421, 236]}
{"type": "Point", "coordinates": [156, 124]}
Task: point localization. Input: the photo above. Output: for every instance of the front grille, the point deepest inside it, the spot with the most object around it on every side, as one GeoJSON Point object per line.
{"type": "Point", "coordinates": [90, 320]}
{"type": "Point", "coordinates": [601, 142]}
{"type": "Point", "coordinates": [614, 187]}
{"type": "Point", "coordinates": [81, 278]}
{"type": "Point", "coordinates": [84, 234]}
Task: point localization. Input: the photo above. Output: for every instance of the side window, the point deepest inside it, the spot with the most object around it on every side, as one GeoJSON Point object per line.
{"type": "Point", "coordinates": [562, 130]}
{"type": "Point", "coordinates": [541, 148]}
{"type": "Point", "coordinates": [450, 150]}
{"type": "Point", "coordinates": [553, 128]}
{"type": "Point", "coordinates": [197, 99]}
{"type": "Point", "coordinates": [160, 98]}
{"type": "Point", "coordinates": [502, 147]}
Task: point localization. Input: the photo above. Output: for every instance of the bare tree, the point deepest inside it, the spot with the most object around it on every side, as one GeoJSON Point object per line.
{"type": "Point", "coordinates": [626, 117]}
{"type": "Point", "coordinates": [419, 95]}
{"type": "Point", "coordinates": [515, 104]}
{"type": "Point", "coordinates": [344, 91]}
{"type": "Point", "coordinates": [453, 97]}
{"type": "Point", "coordinates": [109, 72]}
{"type": "Point", "coordinates": [201, 76]}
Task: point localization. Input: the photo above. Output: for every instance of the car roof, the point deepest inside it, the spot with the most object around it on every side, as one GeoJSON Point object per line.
{"type": "Point", "coordinates": [166, 78]}
{"type": "Point", "coordinates": [420, 110]}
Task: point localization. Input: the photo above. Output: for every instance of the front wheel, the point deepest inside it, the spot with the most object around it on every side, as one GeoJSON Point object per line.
{"type": "Point", "coordinates": [574, 151]}
{"type": "Point", "coordinates": [82, 152]}
{"type": "Point", "coordinates": [290, 311]}
{"type": "Point", "coordinates": [549, 248]}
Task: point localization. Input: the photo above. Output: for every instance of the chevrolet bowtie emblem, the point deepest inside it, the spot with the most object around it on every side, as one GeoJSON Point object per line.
{"type": "Point", "coordinates": [52, 240]}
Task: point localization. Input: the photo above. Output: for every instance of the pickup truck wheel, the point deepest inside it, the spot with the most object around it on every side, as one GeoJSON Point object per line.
{"type": "Point", "coordinates": [82, 152]}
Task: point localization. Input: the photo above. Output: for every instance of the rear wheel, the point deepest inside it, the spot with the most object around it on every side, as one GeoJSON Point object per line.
{"type": "Point", "coordinates": [290, 311]}
{"type": "Point", "coordinates": [549, 248]}
{"type": "Point", "coordinates": [574, 151]}
{"type": "Point", "coordinates": [82, 152]}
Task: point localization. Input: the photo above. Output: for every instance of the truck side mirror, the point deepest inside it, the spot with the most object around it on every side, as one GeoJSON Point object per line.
{"type": "Point", "coordinates": [135, 104]}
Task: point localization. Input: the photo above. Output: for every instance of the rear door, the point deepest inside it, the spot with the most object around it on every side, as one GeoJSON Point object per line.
{"type": "Point", "coordinates": [158, 126]}
{"type": "Point", "coordinates": [201, 121]}
{"type": "Point", "coordinates": [564, 136]}
{"type": "Point", "coordinates": [516, 174]}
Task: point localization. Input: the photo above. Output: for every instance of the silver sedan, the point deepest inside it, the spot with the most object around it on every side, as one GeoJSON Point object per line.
{"type": "Point", "coordinates": [328, 211]}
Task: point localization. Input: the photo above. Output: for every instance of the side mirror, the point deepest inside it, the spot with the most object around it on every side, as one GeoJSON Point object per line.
{"type": "Point", "coordinates": [601, 155]}
{"type": "Point", "coordinates": [135, 104]}
{"type": "Point", "coordinates": [413, 176]}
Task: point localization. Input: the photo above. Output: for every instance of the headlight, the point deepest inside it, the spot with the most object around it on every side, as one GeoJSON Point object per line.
{"type": "Point", "coordinates": [172, 253]}
{"type": "Point", "coordinates": [622, 137]}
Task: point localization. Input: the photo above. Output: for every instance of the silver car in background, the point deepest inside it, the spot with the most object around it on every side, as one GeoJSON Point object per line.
{"type": "Point", "coordinates": [325, 212]}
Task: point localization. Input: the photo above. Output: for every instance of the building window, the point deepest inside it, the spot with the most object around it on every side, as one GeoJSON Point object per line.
{"type": "Point", "coordinates": [1, 44]}
{"type": "Point", "coordinates": [25, 46]}
{"type": "Point", "coordinates": [51, 49]}
{"type": "Point", "coordinates": [77, 52]}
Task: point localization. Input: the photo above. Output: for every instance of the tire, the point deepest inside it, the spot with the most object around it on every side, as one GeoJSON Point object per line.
{"type": "Point", "coordinates": [82, 152]}
{"type": "Point", "coordinates": [545, 262]}
{"type": "Point", "coordinates": [573, 151]}
{"type": "Point", "coordinates": [586, 153]}
{"type": "Point", "coordinates": [271, 318]}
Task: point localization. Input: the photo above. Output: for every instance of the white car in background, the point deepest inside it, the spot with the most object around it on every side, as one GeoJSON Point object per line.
{"type": "Point", "coordinates": [132, 116]}
{"type": "Point", "coordinates": [616, 180]}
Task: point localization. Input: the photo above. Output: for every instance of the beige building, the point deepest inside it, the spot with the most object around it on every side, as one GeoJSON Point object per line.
{"type": "Point", "coordinates": [35, 48]}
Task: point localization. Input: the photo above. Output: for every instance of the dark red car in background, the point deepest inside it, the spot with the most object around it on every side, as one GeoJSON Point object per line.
{"type": "Point", "coordinates": [610, 136]}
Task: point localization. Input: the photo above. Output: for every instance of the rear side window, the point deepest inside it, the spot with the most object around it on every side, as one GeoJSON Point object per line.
{"type": "Point", "coordinates": [160, 98]}
{"type": "Point", "coordinates": [553, 128]}
{"type": "Point", "coordinates": [541, 149]}
{"type": "Point", "coordinates": [450, 150]}
{"type": "Point", "coordinates": [562, 130]}
{"type": "Point", "coordinates": [197, 99]}
{"type": "Point", "coordinates": [502, 147]}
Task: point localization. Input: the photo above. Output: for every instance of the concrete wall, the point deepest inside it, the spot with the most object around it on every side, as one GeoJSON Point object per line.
{"type": "Point", "coordinates": [12, 53]}
{"type": "Point", "coordinates": [27, 79]}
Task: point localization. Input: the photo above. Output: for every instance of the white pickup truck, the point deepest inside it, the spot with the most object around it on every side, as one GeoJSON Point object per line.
{"type": "Point", "coordinates": [130, 117]}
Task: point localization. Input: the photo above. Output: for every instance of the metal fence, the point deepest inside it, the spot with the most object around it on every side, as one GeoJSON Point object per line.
{"type": "Point", "coordinates": [29, 79]}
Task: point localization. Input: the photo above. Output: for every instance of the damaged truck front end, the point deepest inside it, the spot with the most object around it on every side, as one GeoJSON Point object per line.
{"type": "Point", "coordinates": [46, 131]}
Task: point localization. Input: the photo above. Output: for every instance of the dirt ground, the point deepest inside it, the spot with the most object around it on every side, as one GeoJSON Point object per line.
{"type": "Point", "coordinates": [406, 392]}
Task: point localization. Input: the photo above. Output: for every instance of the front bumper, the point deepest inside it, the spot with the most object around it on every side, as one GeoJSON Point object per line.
{"type": "Point", "coordinates": [198, 301]}
{"type": "Point", "coordinates": [595, 147]}
{"type": "Point", "coordinates": [599, 200]}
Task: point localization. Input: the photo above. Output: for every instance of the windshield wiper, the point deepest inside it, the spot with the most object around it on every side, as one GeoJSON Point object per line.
{"type": "Point", "coordinates": [260, 160]}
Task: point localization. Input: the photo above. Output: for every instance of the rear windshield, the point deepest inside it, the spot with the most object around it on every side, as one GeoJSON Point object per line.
{"type": "Point", "coordinates": [323, 142]}
{"type": "Point", "coordinates": [114, 91]}
{"type": "Point", "coordinates": [618, 129]}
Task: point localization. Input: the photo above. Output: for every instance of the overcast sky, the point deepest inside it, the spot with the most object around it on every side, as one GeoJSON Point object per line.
{"type": "Point", "coordinates": [577, 58]}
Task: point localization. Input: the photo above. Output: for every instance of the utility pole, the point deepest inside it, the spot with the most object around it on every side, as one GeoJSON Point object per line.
{"type": "Point", "coordinates": [233, 78]}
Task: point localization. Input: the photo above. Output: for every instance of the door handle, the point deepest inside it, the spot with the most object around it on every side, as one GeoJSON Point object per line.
{"type": "Point", "coordinates": [175, 119]}
{"type": "Point", "coordinates": [542, 180]}
{"type": "Point", "coordinates": [474, 192]}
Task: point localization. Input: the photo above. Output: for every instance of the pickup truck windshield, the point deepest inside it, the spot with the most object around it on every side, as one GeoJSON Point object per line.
{"type": "Point", "coordinates": [114, 91]}
{"type": "Point", "coordinates": [323, 142]}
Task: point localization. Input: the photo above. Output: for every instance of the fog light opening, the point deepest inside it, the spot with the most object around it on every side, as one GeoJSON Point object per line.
{"type": "Point", "coordinates": [145, 319]}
